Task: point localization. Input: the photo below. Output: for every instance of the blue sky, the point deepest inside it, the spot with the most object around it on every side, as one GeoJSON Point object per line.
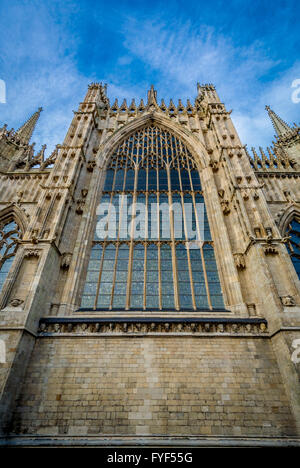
{"type": "Point", "coordinates": [51, 50]}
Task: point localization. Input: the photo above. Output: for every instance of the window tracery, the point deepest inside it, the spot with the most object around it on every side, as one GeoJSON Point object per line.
{"type": "Point", "coordinates": [9, 235]}
{"type": "Point", "coordinates": [159, 269]}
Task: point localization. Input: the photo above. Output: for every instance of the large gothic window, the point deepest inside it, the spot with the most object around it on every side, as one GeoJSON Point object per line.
{"type": "Point", "coordinates": [293, 244]}
{"type": "Point", "coordinates": [9, 236]}
{"type": "Point", "coordinates": [161, 256]}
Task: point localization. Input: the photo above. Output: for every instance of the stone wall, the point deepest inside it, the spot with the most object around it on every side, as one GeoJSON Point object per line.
{"type": "Point", "coordinates": [153, 386]}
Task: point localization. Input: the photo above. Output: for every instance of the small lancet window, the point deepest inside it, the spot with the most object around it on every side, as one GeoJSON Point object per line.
{"type": "Point", "coordinates": [293, 245]}
{"type": "Point", "coordinates": [9, 237]}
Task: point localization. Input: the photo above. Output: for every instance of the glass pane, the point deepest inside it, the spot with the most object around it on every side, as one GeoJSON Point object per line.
{"type": "Point", "coordinates": [195, 180]}
{"type": "Point", "coordinates": [109, 180]}
{"type": "Point", "coordinates": [184, 286]}
{"type": "Point", "coordinates": [175, 185]}
{"type": "Point", "coordinates": [152, 184]}
{"type": "Point", "coordinates": [185, 180]}
{"type": "Point", "coordinates": [119, 179]}
{"type": "Point", "coordinates": [152, 291]}
{"type": "Point", "coordinates": [163, 180]}
{"type": "Point", "coordinates": [201, 302]}
{"type": "Point", "coordinates": [142, 176]}
{"type": "Point", "coordinates": [293, 245]}
{"type": "Point", "coordinates": [130, 179]}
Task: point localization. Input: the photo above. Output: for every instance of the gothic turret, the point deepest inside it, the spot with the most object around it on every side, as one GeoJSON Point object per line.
{"type": "Point", "coordinates": [280, 126]}
{"type": "Point", "coordinates": [14, 145]}
{"type": "Point", "coordinates": [287, 142]}
{"type": "Point", "coordinates": [26, 130]}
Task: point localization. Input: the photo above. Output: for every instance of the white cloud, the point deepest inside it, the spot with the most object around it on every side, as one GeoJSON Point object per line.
{"type": "Point", "coordinates": [183, 55]}
{"type": "Point", "coordinates": [44, 73]}
{"type": "Point", "coordinates": [254, 125]}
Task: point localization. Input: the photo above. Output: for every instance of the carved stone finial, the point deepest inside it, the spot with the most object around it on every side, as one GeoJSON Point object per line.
{"type": "Point", "coordinates": [152, 99]}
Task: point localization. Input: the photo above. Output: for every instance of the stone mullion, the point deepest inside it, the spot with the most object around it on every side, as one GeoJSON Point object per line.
{"type": "Point", "coordinates": [159, 276]}
{"type": "Point", "coordinates": [202, 253]}
{"type": "Point", "coordinates": [200, 240]}
{"type": "Point", "coordinates": [118, 233]}
{"type": "Point", "coordinates": [117, 250]}
{"type": "Point", "coordinates": [186, 238]}
{"type": "Point", "coordinates": [158, 235]}
{"type": "Point", "coordinates": [131, 247]}
{"type": "Point", "coordinates": [105, 244]}
{"type": "Point", "coordinates": [99, 276]}
{"type": "Point", "coordinates": [173, 156]}
{"type": "Point", "coordinates": [114, 179]}
{"type": "Point", "coordinates": [188, 253]}
{"type": "Point", "coordinates": [188, 250]}
{"type": "Point", "coordinates": [145, 277]}
{"type": "Point", "coordinates": [114, 277]}
{"type": "Point", "coordinates": [146, 236]}
{"type": "Point", "coordinates": [173, 246]}
{"type": "Point", "coordinates": [125, 174]}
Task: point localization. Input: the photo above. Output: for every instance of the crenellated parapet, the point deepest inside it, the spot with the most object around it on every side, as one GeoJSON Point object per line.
{"type": "Point", "coordinates": [188, 115]}
{"type": "Point", "coordinates": [272, 160]}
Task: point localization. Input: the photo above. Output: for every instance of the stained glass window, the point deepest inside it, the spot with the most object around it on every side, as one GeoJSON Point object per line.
{"type": "Point", "coordinates": [152, 247]}
{"type": "Point", "coordinates": [293, 244]}
{"type": "Point", "coordinates": [9, 236]}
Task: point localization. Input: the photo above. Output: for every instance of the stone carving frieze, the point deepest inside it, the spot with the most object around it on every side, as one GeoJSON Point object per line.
{"type": "Point", "coordinates": [65, 326]}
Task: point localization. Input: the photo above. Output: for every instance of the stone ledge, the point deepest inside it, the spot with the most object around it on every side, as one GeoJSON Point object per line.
{"type": "Point", "coordinates": [141, 326]}
{"type": "Point", "coordinates": [144, 441]}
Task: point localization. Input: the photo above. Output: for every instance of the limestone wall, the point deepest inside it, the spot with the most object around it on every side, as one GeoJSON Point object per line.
{"type": "Point", "coordinates": [153, 386]}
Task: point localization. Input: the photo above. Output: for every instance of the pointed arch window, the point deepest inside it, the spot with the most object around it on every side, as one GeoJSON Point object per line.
{"type": "Point", "coordinates": [9, 235]}
{"type": "Point", "coordinates": [161, 257]}
{"type": "Point", "coordinates": [293, 245]}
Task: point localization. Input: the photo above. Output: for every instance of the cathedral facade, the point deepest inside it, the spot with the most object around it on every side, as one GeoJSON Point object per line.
{"type": "Point", "coordinates": [149, 279]}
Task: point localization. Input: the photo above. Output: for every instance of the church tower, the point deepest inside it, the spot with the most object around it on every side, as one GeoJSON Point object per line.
{"type": "Point", "coordinates": [149, 279]}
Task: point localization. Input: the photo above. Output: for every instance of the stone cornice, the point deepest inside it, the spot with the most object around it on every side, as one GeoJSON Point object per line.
{"type": "Point", "coordinates": [132, 440]}
{"type": "Point", "coordinates": [277, 174]}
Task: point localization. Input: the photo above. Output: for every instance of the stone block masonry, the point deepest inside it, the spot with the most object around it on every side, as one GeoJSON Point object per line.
{"type": "Point", "coordinates": [153, 386]}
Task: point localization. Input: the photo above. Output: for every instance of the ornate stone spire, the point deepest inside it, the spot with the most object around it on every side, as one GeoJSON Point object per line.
{"type": "Point", "coordinates": [25, 132]}
{"type": "Point", "coordinates": [279, 125]}
{"type": "Point", "coordinates": [152, 99]}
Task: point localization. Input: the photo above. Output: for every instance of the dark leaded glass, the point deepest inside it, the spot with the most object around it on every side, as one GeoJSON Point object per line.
{"type": "Point", "coordinates": [9, 236]}
{"type": "Point", "coordinates": [293, 245]}
{"type": "Point", "coordinates": [167, 261]}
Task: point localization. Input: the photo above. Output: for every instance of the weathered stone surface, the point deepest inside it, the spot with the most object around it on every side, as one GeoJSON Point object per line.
{"type": "Point", "coordinates": [232, 372]}
{"type": "Point", "coordinates": [183, 386]}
